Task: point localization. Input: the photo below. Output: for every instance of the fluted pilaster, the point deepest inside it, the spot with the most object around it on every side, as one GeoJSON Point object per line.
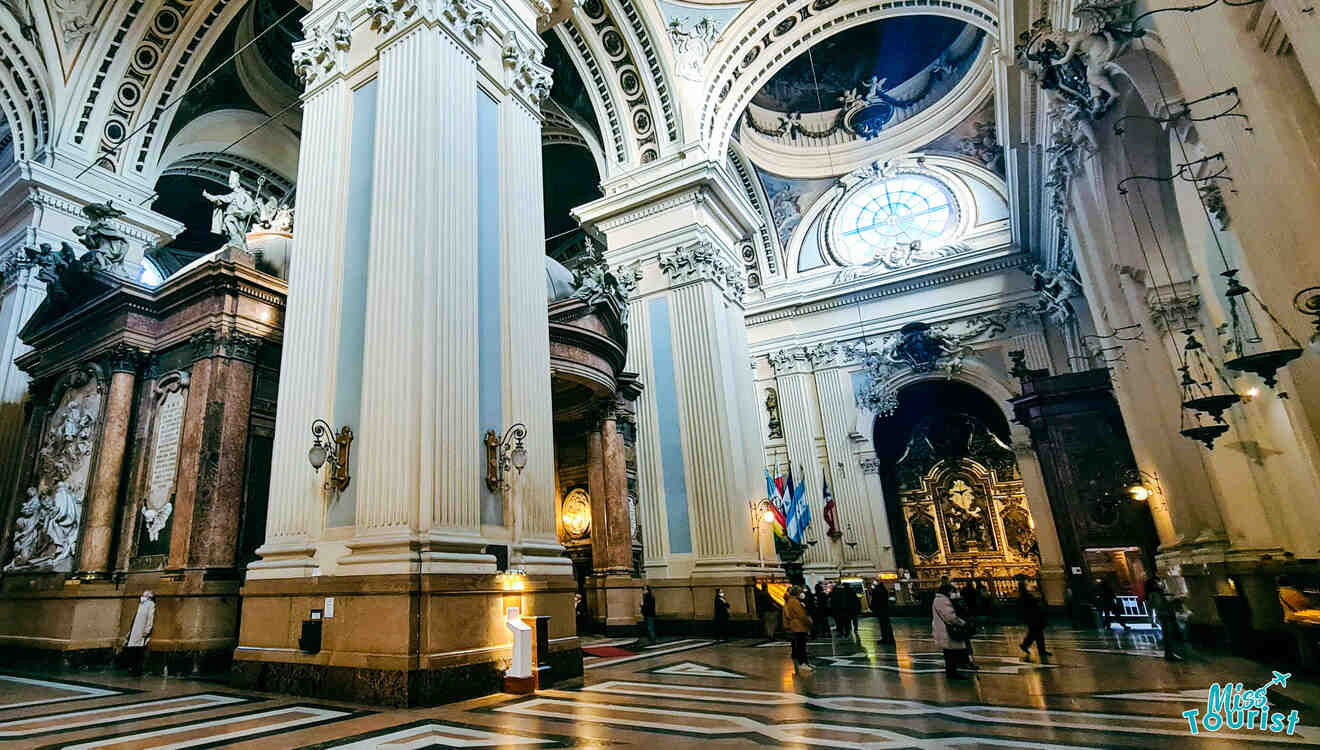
{"type": "Point", "coordinates": [708, 411]}
{"type": "Point", "coordinates": [526, 355]}
{"type": "Point", "coordinates": [307, 385]}
{"type": "Point", "coordinates": [797, 410]}
{"type": "Point", "coordinates": [853, 507]}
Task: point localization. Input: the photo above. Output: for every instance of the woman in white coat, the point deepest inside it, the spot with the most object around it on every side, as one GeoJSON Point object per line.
{"type": "Point", "coordinates": [943, 615]}
{"type": "Point", "coordinates": [140, 634]}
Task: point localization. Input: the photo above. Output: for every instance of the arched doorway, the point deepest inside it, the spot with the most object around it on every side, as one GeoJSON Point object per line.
{"type": "Point", "coordinates": [955, 498]}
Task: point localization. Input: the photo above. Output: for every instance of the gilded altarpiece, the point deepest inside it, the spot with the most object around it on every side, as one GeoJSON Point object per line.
{"type": "Point", "coordinates": [963, 502]}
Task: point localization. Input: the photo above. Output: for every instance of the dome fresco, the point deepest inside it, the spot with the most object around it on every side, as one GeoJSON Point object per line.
{"type": "Point", "coordinates": [893, 49]}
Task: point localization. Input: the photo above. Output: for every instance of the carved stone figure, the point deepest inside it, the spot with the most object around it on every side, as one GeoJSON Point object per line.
{"type": "Point", "coordinates": [47, 525]}
{"type": "Point", "coordinates": [692, 45]}
{"type": "Point", "coordinates": [1056, 289]}
{"type": "Point", "coordinates": [776, 429]}
{"type": "Point", "coordinates": [596, 283]}
{"type": "Point", "coordinates": [273, 213]}
{"type": "Point", "coordinates": [106, 247]}
{"type": "Point", "coordinates": [234, 213]}
{"type": "Point", "coordinates": [984, 146]}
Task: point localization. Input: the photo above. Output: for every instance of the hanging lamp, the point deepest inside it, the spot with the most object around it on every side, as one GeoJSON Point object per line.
{"type": "Point", "coordinates": [1264, 364]}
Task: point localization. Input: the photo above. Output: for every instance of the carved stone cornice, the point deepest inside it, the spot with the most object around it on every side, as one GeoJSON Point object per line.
{"type": "Point", "coordinates": [324, 52]}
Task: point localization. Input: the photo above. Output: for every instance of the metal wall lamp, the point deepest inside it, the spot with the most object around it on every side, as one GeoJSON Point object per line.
{"type": "Point", "coordinates": [1307, 302]}
{"type": "Point", "coordinates": [501, 453]}
{"type": "Point", "coordinates": [332, 448]}
{"type": "Point", "coordinates": [1140, 484]}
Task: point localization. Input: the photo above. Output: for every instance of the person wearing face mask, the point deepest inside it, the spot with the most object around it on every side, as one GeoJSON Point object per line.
{"type": "Point", "coordinates": [135, 646]}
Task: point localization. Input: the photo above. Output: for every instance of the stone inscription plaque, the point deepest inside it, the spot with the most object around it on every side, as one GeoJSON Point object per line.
{"type": "Point", "coordinates": [164, 460]}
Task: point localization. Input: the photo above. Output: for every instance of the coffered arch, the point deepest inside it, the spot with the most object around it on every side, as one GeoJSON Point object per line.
{"type": "Point", "coordinates": [148, 58]}
{"type": "Point", "coordinates": [25, 96]}
{"type": "Point", "coordinates": [754, 47]}
{"type": "Point", "coordinates": [612, 46]}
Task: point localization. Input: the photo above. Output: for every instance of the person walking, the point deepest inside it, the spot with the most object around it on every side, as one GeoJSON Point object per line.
{"type": "Point", "coordinates": [880, 606]}
{"type": "Point", "coordinates": [943, 616]}
{"type": "Point", "coordinates": [139, 635]}
{"type": "Point", "coordinates": [721, 616]}
{"type": "Point", "coordinates": [798, 624]}
{"type": "Point", "coordinates": [1032, 613]}
{"type": "Point", "coordinates": [648, 612]}
{"type": "Point", "coordinates": [854, 611]}
{"type": "Point", "coordinates": [1109, 607]}
{"type": "Point", "coordinates": [768, 611]}
{"type": "Point", "coordinates": [1166, 611]}
{"type": "Point", "coordinates": [821, 611]}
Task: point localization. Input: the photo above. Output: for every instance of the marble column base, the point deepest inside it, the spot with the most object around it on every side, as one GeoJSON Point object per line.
{"type": "Point", "coordinates": [398, 640]}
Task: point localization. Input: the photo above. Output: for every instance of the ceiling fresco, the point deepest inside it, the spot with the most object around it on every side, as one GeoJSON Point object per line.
{"type": "Point", "coordinates": [893, 49]}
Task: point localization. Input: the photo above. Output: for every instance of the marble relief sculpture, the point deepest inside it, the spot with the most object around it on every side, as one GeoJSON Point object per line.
{"type": "Point", "coordinates": [46, 529]}
{"type": "Point", "coordinates": [234, 213]}
{"type": "Point", "coordinates": [776, 429]}
{"type": "Point", "coordinates": [273, 214]}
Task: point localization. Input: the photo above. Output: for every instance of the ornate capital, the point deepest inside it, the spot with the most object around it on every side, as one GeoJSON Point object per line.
{"type": "Point", "coordinates": [1175, 312]}
{"type": "Point", "coordinates": [527, 77]}
{"type": "Point", "coordinates": [204, 344]}
{"type": "Point", "coordinates": [791, 360]}
{"type": "Point", "coordinates": [387, 14]}
{"type": "Point", "coordinates": [125, 358]}
{"type": "Point", "coordinates": [464, 18]}
{"type": "Point", "coordinates": [824, 355]}
{"type": "Point", "coordinates": [241, 346]}
{"type": "Point", "coordinates": [325, 51]}
{"type": "Point", "coordinates": [700, 261]}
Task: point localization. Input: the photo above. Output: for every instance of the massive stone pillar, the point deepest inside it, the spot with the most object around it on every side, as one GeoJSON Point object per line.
{"type": "Point", "coordinates": [798, 411]}
{"type": "Point", "coordinates": [699, 453]}
{"type": "Point", "coordinates": [419, 322]}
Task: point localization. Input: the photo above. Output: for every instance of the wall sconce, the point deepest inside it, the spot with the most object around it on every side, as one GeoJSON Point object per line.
{"type": "Point", "coordinates": [762, 512]}
{"type": "Point", "coordinates": [327, 446]}
{"type": "Point", "coordinates": [501, 453]}
{"type": "Point", "coordinates": [1139, 484]}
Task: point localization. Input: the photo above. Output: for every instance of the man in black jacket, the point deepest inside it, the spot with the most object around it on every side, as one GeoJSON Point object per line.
{"type": "Point", "coordinates": [648, 612]}
{"type": "Point", "coordinates": [1032, 612]}
{"type": "Point", "coordinates": [880, 606]}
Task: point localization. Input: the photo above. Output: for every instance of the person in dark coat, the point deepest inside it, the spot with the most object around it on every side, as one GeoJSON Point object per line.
{"type": "Point", "coordinates": [880, 606]}
{"type": "Point", "coordinates": [820, 616]}
{"type": "Point", "coordinates": [1109, 608]}
{"type": "Point", "coordinates": [768, 611]}
{"type": "Point", "coordinates": [842, 608]}
{"type": "Point", "coordinates": [1032, 612]}
{"type": "Point", "coordinates": [721, 616]}
{"type": "Point", "coordinates": [648, 612]}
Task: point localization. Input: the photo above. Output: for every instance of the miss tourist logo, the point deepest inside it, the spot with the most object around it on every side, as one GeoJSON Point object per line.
{"type": "Point", "coordinates": [1229, 706]}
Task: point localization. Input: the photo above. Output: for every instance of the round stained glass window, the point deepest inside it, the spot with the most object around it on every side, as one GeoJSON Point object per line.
{"type": "Point", "coordinates": [891, 212]}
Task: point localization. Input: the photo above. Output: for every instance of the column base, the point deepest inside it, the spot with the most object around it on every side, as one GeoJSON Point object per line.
{"type": "Point", "coordinates": [294, 558]}
{"type": "Point", "coordinates": [398, 640]}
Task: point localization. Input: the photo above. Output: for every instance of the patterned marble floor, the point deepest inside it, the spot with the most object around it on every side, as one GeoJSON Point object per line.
{"type": "Point", "coordinates": [1099, 690]}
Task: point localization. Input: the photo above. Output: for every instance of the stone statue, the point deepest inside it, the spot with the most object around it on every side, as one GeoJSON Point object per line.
{"type": "Point", "coordinates": [234, 213]}
{"type": "Point", "coordinates": [597, 284]}
{"type": "Point", "coordinates": [273, 213]}
{"type": "Point", "coordinates": [1056, 289]}
{"type": "Point", "coordinates": [27, 530]}
{"type": "Point", "coordinates": [106, 248]}
{"type": "Point", "coordinates": [772, 408]}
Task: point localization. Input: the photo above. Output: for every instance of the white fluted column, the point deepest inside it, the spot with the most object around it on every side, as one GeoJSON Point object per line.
{"type": "Point", "coordinates": [307, 385]}
{"type": "Point", "coordinates": [526, 354]}
{"type": "Point", "coordinates": [709, 412]}
{"type": "Point", "coordinates": [837, 411]}
{"type": "Point", "coordinates": [798, 414]}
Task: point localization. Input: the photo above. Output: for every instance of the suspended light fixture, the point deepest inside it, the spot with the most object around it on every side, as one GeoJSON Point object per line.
{"type": "Point", "coordinates": [1198, 396]}
{"type": "Point", "coordinates": [1266, 363]}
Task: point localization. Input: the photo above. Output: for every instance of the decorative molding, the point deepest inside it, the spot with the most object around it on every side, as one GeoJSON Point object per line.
{"type": "Point", "coordinates": [204, 344]}
{"type": "Point", "coordinates": [124, 358]}
{"type": "Point", "coordinates": [700, 261]}
{"type": "Point", "coordinates": [325, 51]}
{"type": "Point", "coordinates": [465, 18]}
{"type": "Point", "coordinates": [791, 360]}
{"type": "Point", "coordinates": [386, 14]}
{"type": "Point", "coordinates": [528, 78]}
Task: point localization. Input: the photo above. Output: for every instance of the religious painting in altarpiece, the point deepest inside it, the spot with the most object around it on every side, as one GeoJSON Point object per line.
{"type": "Point", "coordinates": [963, 502]}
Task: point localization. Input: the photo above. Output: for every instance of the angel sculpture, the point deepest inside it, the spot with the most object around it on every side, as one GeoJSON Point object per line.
{"type": "Point", "coordinates": [106, 247]}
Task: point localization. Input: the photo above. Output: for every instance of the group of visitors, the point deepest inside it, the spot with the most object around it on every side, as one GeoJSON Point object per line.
{"type": "Point", "coordinates": [957, 615]}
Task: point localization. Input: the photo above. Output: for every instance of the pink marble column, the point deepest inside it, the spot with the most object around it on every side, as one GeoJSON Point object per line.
{"type": "Point", "coordinates": [98, 534]}
{"type": "Point", "coordinates": [616, 536]}
{"type": "Point", "coordinates": [599, 508]}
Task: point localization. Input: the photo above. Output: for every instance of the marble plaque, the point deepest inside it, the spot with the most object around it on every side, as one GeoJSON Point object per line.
{"type": "Point", "coordinates": [164, 461]}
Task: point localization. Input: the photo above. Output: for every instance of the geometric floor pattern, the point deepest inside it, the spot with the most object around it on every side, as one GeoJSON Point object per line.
{"type": "Point", "coordinates": [1098, 690]}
